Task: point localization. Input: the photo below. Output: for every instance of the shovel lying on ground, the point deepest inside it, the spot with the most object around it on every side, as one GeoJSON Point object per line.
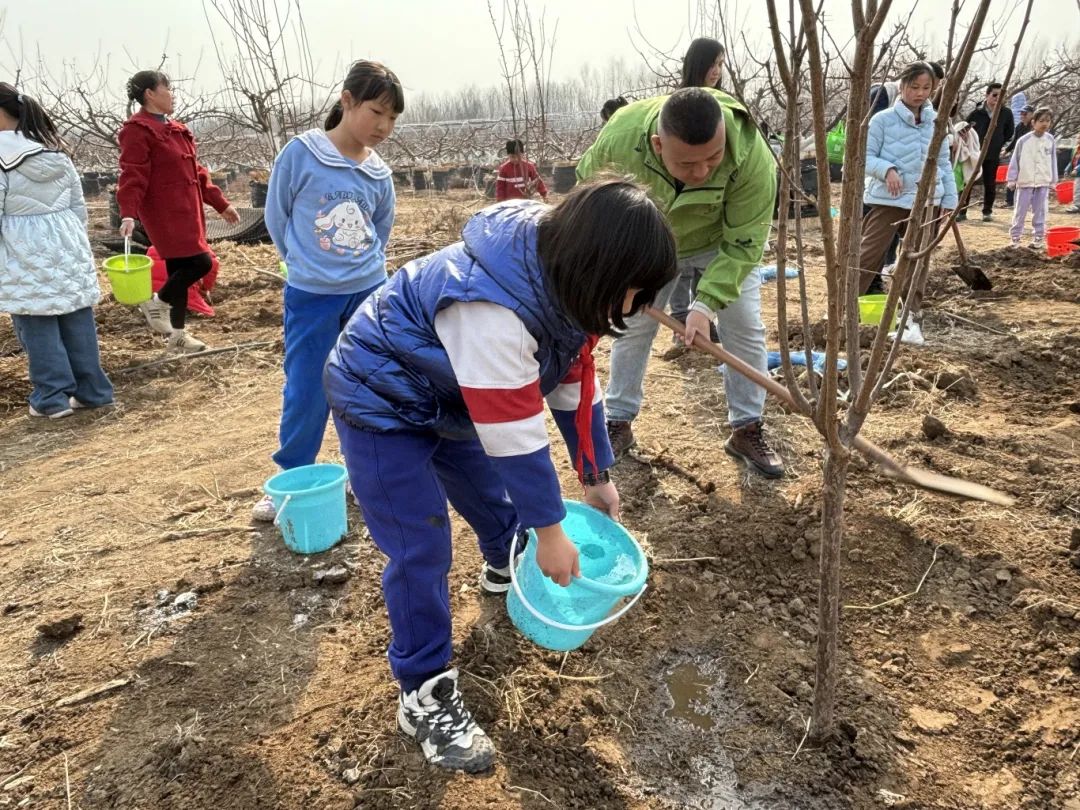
{"type": "Point", "coordinates": [971, 274]}
{"type": "Point", "coordinates": [912, 475]}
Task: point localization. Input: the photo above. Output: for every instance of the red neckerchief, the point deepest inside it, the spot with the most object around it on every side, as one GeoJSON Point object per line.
{"type": "Point", "coordinates": [583, 417]}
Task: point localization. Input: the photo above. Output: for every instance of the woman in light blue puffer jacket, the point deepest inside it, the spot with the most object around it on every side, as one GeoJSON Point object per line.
{"type": "Point", "coordinates": [897, 145]}
{"type": "Point", "coordinates": [47, 279]}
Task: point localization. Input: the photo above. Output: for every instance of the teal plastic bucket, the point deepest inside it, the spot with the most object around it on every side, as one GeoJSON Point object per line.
{"type": "Point", "coordinates": [310, 504]}
{"type": "Point", "coordinates": [613, 567]}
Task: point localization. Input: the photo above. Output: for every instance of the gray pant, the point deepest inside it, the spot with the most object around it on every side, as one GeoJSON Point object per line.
{"type": "Point", "coordinates": [741, 332]}
{"type": "Point", "coordinates": [683, 294]}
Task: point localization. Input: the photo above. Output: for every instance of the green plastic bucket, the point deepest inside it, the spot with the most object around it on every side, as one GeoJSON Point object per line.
{"type": "Point", "coordinates": [872, 310]}
{"type": "Point", "coordinates": [129, 276]}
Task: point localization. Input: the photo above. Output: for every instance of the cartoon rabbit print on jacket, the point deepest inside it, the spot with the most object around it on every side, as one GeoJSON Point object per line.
{"type": "Point", "coordinates": [350, 225]}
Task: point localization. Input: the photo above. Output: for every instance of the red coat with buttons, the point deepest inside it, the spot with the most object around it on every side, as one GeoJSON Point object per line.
{"type": "Point", "coordinates": [163, 186]}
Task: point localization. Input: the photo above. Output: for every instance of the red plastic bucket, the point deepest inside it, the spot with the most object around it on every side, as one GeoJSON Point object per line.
{"type": "Point", "coordinates": [1059, 241]}
{"type": "Point", "coordinates": [1002, 173]}
{"type": "Point", "coordinates": [1065, 192]}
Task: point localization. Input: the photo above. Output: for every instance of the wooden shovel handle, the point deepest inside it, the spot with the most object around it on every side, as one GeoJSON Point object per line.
{"type": "Point", "coordinates": [918, 477]}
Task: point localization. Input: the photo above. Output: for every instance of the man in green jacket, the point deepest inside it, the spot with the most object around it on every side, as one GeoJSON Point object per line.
{"type": "Point", "coordinates": [708, 167]}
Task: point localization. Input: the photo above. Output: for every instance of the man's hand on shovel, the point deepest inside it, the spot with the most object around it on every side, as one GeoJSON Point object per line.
{"type": "Point", "coordinates": [696, 324]}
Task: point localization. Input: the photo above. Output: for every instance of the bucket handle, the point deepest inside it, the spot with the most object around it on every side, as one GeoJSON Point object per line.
{"type": "Point", "coordinates": [281, 509]}
{"type": "Point", "coordinates": [552, 622]}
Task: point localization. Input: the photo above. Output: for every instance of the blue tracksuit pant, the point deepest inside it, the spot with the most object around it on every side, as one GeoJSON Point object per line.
{"type": "Point", "coordinates": [402, 481]}
{"type": "Point", "coordinates": [313, 323]}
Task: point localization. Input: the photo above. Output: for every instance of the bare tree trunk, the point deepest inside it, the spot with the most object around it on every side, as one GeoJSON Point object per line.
{"type": "Point", "coordinates": [832, 533]}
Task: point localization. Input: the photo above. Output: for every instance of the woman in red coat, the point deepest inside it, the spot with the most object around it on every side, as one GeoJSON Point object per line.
{"type": "Point", "coordinates": [164, 187]}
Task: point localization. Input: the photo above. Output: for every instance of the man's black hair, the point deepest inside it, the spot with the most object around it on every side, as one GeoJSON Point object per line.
{"type": "Point", "coordinates": [692, 115]}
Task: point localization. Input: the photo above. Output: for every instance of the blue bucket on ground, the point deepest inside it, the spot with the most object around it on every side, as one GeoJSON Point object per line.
{"type": "Point", "coordinates": [310, 504]}
{"type": "Point", "coordinates": [613, 567]}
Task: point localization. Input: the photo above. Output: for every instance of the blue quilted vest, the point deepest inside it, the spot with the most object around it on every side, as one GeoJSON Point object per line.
{"type": "Point", "coordinates": [390, 372]}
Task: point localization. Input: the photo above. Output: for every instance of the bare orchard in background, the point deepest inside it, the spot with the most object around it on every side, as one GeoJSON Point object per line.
{"type": "Point", "coordinates": [273, 89]}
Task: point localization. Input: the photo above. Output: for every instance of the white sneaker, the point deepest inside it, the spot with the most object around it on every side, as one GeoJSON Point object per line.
{"type": "Point", "coordinates": [78, 406]}
{"type": "Point", "coordinates": [912, 336]}
{"type": "Point", "coordinates": [57, 415]}
{"type": "Point", "coordinates": [1038, 244]}
{"type": "Point", "coordinates": [435, 716]}
{"type": "Point", "coordinates": [264, 511]}
{"type": "Point", "coordinates": [888, 270]}
{"type": "Point", "coordinates": [156, 313]}
{"type": "Point", "coordinates": [180, 342]}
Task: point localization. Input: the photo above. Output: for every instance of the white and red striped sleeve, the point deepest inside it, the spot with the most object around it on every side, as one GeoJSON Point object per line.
{"type": "Point", "coordinates": [494, 359]}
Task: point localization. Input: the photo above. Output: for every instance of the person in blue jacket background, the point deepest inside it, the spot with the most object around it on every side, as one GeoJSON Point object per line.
{"type": "Point", "coordinates": [897, 146]}
{"type": "Point", "coordinates": [437, 387]}
{"type": "Point", "coordinates": [329, 210]}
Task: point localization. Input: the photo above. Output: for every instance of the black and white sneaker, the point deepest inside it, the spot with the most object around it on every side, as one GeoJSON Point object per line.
{"type": "Point", "coordinates": [435, 716]}
{"type": "Point", "coordinates": [497, 580]}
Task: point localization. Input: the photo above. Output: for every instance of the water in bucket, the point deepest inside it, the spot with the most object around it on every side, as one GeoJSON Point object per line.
{"type": "Point", "coordinates": [613, 566]}
{"type": "Point", "coordinates": [310, 504]}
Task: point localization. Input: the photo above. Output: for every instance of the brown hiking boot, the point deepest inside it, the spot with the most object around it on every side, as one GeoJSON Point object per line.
{"type": "Point", "coordinates": [621, 436]}
{"type": "Point", "coordinates": [748, 444]}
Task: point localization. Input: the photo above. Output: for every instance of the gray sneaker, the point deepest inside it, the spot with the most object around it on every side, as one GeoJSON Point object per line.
{"type": "Point", "coordinates": [435, 716]}
{"type": "Point", "coordinates": [183, 343]}
{"type": "Point", "coordinates": [157, 316]}
{"type": "Point", "coordinates": [264, 511]}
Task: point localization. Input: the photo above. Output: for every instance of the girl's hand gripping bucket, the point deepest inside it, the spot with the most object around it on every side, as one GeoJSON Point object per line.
{"type": "Point", "coordinates": [310, 504]}
{"type": "Point", "coordinates": [613, 567]}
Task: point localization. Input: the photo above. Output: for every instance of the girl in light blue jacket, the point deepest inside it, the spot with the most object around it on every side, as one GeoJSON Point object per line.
{"type": "Point", "coordinates": [48, 283]}
{"type": "Point", "coordinates": [897, 145]}
{"type": "Point", "coordinates": [329, 210]}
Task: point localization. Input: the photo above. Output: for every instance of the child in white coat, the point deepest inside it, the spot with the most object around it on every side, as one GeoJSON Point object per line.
{"type": "Point", "coordinates": [47, 278]}
{"type": "Point", "coordinates": [1033, 172]}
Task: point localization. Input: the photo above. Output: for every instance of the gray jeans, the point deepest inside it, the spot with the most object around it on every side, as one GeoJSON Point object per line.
{"type": "Point", "coordinates": [741, 332]}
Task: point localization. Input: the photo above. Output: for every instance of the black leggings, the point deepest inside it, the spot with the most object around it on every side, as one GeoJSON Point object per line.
{"type": "Point", "coordinates": [182, 274]}
{"type": "Point", "coordinates": [989, 179]}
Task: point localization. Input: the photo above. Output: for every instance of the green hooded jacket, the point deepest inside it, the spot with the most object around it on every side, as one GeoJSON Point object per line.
{"type": "Point", "coordinates": [731, 212]}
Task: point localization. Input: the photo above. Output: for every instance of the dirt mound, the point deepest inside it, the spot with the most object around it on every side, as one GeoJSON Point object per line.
{"type": "Point", "coordinates": [1028, 273]}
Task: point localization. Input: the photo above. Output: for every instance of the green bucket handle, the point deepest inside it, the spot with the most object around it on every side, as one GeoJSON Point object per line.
{"type": "Point", "coordinates": [551, 622]}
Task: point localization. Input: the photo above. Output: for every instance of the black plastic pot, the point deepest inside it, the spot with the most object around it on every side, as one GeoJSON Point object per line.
{"type": "Point", "coordinates": [258, 194]}
{"type": "Point", "coordinates": [90, 186]}
{"type": "Point", "coordinates": [564, 178]}
{"type": "Point", "coordinates": [114, 210]}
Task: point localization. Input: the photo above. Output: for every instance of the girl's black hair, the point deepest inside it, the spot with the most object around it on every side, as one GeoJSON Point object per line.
{"type": "Point", "coordinates": [913, 71]}
{"type": "Point", "coordinates": [1042, 112]}
{"type": "Point", "coordinates": [33, 122]}
{"type": "Point", "coordinates": [142, 81]}
{"type": "Point", "coordinates": [610, 106]}
{"type": "Point", "coordinates": [514, 146]}
{"type": "Point", "coordinates": [700, 56]}
{"type": "Point", "coordinates": [368, 81]}
{"type": "Point", "coordinates": [603, 239]}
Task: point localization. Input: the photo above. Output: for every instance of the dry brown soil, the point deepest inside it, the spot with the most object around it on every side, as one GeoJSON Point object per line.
{"type": "Point", "coordinates": [258, 688]}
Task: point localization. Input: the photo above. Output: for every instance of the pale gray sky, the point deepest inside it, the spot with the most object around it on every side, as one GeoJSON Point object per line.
{"type": "Point", "coordinates": [433, 44]}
